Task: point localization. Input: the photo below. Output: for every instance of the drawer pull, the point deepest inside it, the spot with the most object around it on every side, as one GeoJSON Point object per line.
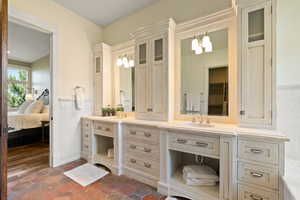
{"type": "Point", "coordinates": [147, 165]}
{"type": "Point", "coordinates": [147, 135]}
{"type": "Point", "coordinates": [107, 129]}
{"type": "Point", "coordinates": [256, 197]}
{"type": "Point", "coordinates": [132, 133]}
{"type": "Point", "coordinates": [132, 160]}
{"type": "Point", "coordinates": [256, 175]}
{"type": "Point", "coordinates": [99, 128]}
{"type": "Point", "coordinates": [201, 144]}
{"type": "Point", "coordinates": [149, 109]}
{"type": "Point", "coordinates": [256, 151]}
{"type": "Point", "coordinates": [132, 147]}
{"type": "Point", "coordinates": [147, 150]}
{"type": "Point", "coordinates": [86, 146]}
{"type": "Point", "coordinates": [181, 141]}
{"type": "Point", "coordinates": [86, 136]}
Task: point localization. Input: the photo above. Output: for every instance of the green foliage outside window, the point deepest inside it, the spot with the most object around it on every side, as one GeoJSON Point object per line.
{"type": "Point", "coordinates": [17, 89]}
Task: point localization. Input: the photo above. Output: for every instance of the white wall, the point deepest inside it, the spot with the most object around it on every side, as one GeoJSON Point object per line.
{"type": "Point", "coordinates": [76, 39]}
{"type": "Point", "coordinates": [40, 74]}
{"type": "Point", "coordinates": [179, 10]}
{"type": "Point", "coordinates": [288, 74]}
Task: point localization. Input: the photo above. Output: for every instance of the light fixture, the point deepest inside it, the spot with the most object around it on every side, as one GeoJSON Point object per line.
{"type": "Point", "coordinates": [195, 44]}
{"type": "Point", "coordinates": [119, 62]}
{"type": "Point", "coordinates": [8, 51]}
{"type": "Point", "coordinates": [198, 46]}
{"type": "Point", "coordinates": [125, 61]}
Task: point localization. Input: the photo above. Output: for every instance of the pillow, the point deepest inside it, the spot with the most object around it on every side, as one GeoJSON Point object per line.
{"type": "Point", "coordinates": [24, 105]}
{"type": "Point", "coordinates": [34, 107]}
{"type": "Point", "coordinates": [45, 109]}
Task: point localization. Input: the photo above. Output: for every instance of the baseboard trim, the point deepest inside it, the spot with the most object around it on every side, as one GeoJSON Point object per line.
{"type": "Point", "coordinates": [57, 162]}
{"type": "Point", "coordinates": [163, 188]}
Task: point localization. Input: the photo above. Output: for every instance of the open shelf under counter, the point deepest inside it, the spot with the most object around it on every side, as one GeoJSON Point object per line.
{"type": "Point", "coordinates": [104, 160]}
{"type": "Point", "coordinates": [177, 184]}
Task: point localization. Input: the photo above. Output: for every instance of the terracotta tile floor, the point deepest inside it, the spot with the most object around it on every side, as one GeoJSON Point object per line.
{"type": "Point", "coordinates": [51, 184]}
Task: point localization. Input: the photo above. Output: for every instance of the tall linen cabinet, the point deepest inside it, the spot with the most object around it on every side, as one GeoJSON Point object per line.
{"type": "Point", "coordinates": [154, 48]}
{"type": "Point", "coordinates": [257, 75]}
{"type": "Point", "coordinates": [102, 77]}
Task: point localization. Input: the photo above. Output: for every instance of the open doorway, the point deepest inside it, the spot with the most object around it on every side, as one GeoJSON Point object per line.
{"type": "Point", "coordinates": [29, 90]}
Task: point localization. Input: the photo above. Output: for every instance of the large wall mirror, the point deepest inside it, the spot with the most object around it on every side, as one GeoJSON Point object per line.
{"type": "Point", "coordinates": [205, 74]}
{"type": "Point", "coordinates": [124, 79]}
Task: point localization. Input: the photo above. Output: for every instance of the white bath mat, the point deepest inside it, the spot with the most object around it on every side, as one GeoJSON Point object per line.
{"type": "Point", "coordinates": [86, 174]}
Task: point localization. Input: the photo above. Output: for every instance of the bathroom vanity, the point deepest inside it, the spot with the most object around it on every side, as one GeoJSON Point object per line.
{"type": "Point", "coordinates": [199, 92]}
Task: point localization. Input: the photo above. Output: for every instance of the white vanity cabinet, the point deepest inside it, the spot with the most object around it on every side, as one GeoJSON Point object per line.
{"type": "Point", "coordinates": [141, 157]}
{"type": "Point", "coordinates": [257, 73]}
{"type": "Point", "coordinates": [102, 77]}
{"type": "Point", "coordinates": [154, 54]}
{"type": "Point", "coordinates": [86, 141]}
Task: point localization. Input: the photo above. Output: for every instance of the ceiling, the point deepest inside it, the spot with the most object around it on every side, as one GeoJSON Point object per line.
{"type": "Point", "coordinates": [104, 12]}
{"type": "Point", "coordinates": [25, 44]}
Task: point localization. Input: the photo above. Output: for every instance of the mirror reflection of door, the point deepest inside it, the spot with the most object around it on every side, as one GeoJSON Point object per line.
{"type": "Point", "coordinates": [218, 91]}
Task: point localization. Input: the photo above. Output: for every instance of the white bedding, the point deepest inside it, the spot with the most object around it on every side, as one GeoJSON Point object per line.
{"type": "Point", "coordinates": [26, 121]}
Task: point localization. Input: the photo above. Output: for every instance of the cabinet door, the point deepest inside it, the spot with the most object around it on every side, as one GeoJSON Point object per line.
{"type": "Point", "coordinates": [158, 75]}
{"type": "Point", "coordinates": [98, 85]}
{"type": "Point", "coordinates": [256, 98]}
{"type": "Point", "coordinates": [141, 76]}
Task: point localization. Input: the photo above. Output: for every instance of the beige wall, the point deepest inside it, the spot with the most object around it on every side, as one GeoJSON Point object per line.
{"type": "Point", "coordinates": [288, 74]}
{"type": "Point", "coordinates": [179, 10]}
{"type": "Point", "coordinates": [40, 74]}
{"type": "Point", "coordinates": [76, 39]}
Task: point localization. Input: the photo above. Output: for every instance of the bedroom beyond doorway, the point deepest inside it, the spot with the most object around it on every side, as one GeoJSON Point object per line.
{"type": "Point", "coordinates": [29, 90]}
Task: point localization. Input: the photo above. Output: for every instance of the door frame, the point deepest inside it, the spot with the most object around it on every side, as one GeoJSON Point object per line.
{"type": "Point", "coordinates": [33, 22]}
{"type": "Point", "coordinates": [3, 89]}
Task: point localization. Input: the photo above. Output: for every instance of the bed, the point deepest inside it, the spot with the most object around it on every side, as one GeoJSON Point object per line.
{"type": "Point", "coordinates": [26, 127]}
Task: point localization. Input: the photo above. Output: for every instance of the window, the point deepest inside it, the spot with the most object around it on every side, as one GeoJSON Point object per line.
{"type": "Point", "coordinates": [18, 85]}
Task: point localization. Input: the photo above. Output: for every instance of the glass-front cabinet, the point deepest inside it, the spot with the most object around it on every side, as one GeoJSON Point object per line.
{"type": "Point", "coordinates": [256, 70]}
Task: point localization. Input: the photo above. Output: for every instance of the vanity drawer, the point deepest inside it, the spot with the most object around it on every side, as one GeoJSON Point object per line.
{"type": "Point", "coordinates": [258, 175]}
{"type": "Point", "coordinates": [104, 129]}
{"type": "Point", "coordinates": [86, 124]}
{"type": "Point", "coordinates": [195, 144]}
{"type": "Point", "coordinates": [86, 147]}
{"type": "Point", "coordinates": [250, 193]}
{"type": "Point", "coordinates": [263, 152]}
{"type": "Point", "coordinates": [148, 167]}
{"type": "Point", "coordinates": [144, 135]}
{"type": "Point", "coordinates": [143, 151]}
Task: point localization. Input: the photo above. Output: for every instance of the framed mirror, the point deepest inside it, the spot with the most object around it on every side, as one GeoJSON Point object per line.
{"type": "Point", "coordinates": [204, 74]}
{"type": "Point", "coordinates": [206, 69]}
{"type": "Point", "coordinates": [124, 76]}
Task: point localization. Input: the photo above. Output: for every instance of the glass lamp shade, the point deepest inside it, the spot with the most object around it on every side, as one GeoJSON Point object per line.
{"type": "Point", "coordinates": [119, 62]}
{"type": "Point", "coordinates": [195, 44]}
{"type": "Point", "coordinates": [29, 97]}
{"type": "Point", "coordinates": [125, 62]}
{"type": "Point", "coordinates": [131, 63]}
{"type": "Point", "coordinates": [209, 47]}
{"type": "Point", "coordinates": [199, 50]}
{"type": "Point", "coordinates": [206, 41]}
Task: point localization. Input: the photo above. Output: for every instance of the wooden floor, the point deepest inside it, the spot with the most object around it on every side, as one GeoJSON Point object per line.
{"type": "Point", "coordinates": [26, 159]}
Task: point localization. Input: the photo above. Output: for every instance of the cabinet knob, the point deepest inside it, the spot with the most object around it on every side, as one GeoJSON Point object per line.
{"type": "Point", "coordinates": [181, 141]}
{"type": "Point", "coordinates": [147, 165]}
{"type": "Point", "coordinates": [256, 197]}
{"type": "Point", "coordinates": [256, 151]}
{"type": "Point", "coordinates": [201, 144]}
{"type": "Point", "coordinates": [147, 150]}
{"type": "Point", "coordinates": [107, 129]}
{"type": "Point", "coordinates": [256, 175]}
{"type": "Point", "coordinates": [147, 135]}
{"type": "Point", "coordinates": [132, 133]}
{"type": "Point", "coordinates": [150, 110]}
{"type": "Point", "coordinates": [132, 160]}
{"type": "Point", "coordinates": [132, 146]}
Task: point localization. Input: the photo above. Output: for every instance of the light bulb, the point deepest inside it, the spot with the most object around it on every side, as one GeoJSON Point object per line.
{"type": "Point", "coordinates": [195, 44]}
{"type": "Point", "coordinates": [206, 41]}
{"type": "Point", "coordinates": [131, 63]}
{"type": "Point", "coordinates": [199, 50]}
{"type": "Point", "coordinates": [209, 47]}
{"type": "Point", "coordinates": [8, 51]}
{"type": "Point", "coordinates": [125, 62]}
{"type": "Point", "coordinates": [119, 62]}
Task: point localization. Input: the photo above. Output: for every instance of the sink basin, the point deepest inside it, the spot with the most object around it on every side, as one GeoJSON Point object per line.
{"type": "Point", "coordinates": [198, 124]}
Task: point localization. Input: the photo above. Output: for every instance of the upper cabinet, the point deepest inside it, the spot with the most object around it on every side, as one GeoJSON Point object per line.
{"type": "Point", "coordinates": [102, 77]}
{"type": "Point", "coordinates": [153, 58]}
{"type": "Point", "coordinates": [257, 83]}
